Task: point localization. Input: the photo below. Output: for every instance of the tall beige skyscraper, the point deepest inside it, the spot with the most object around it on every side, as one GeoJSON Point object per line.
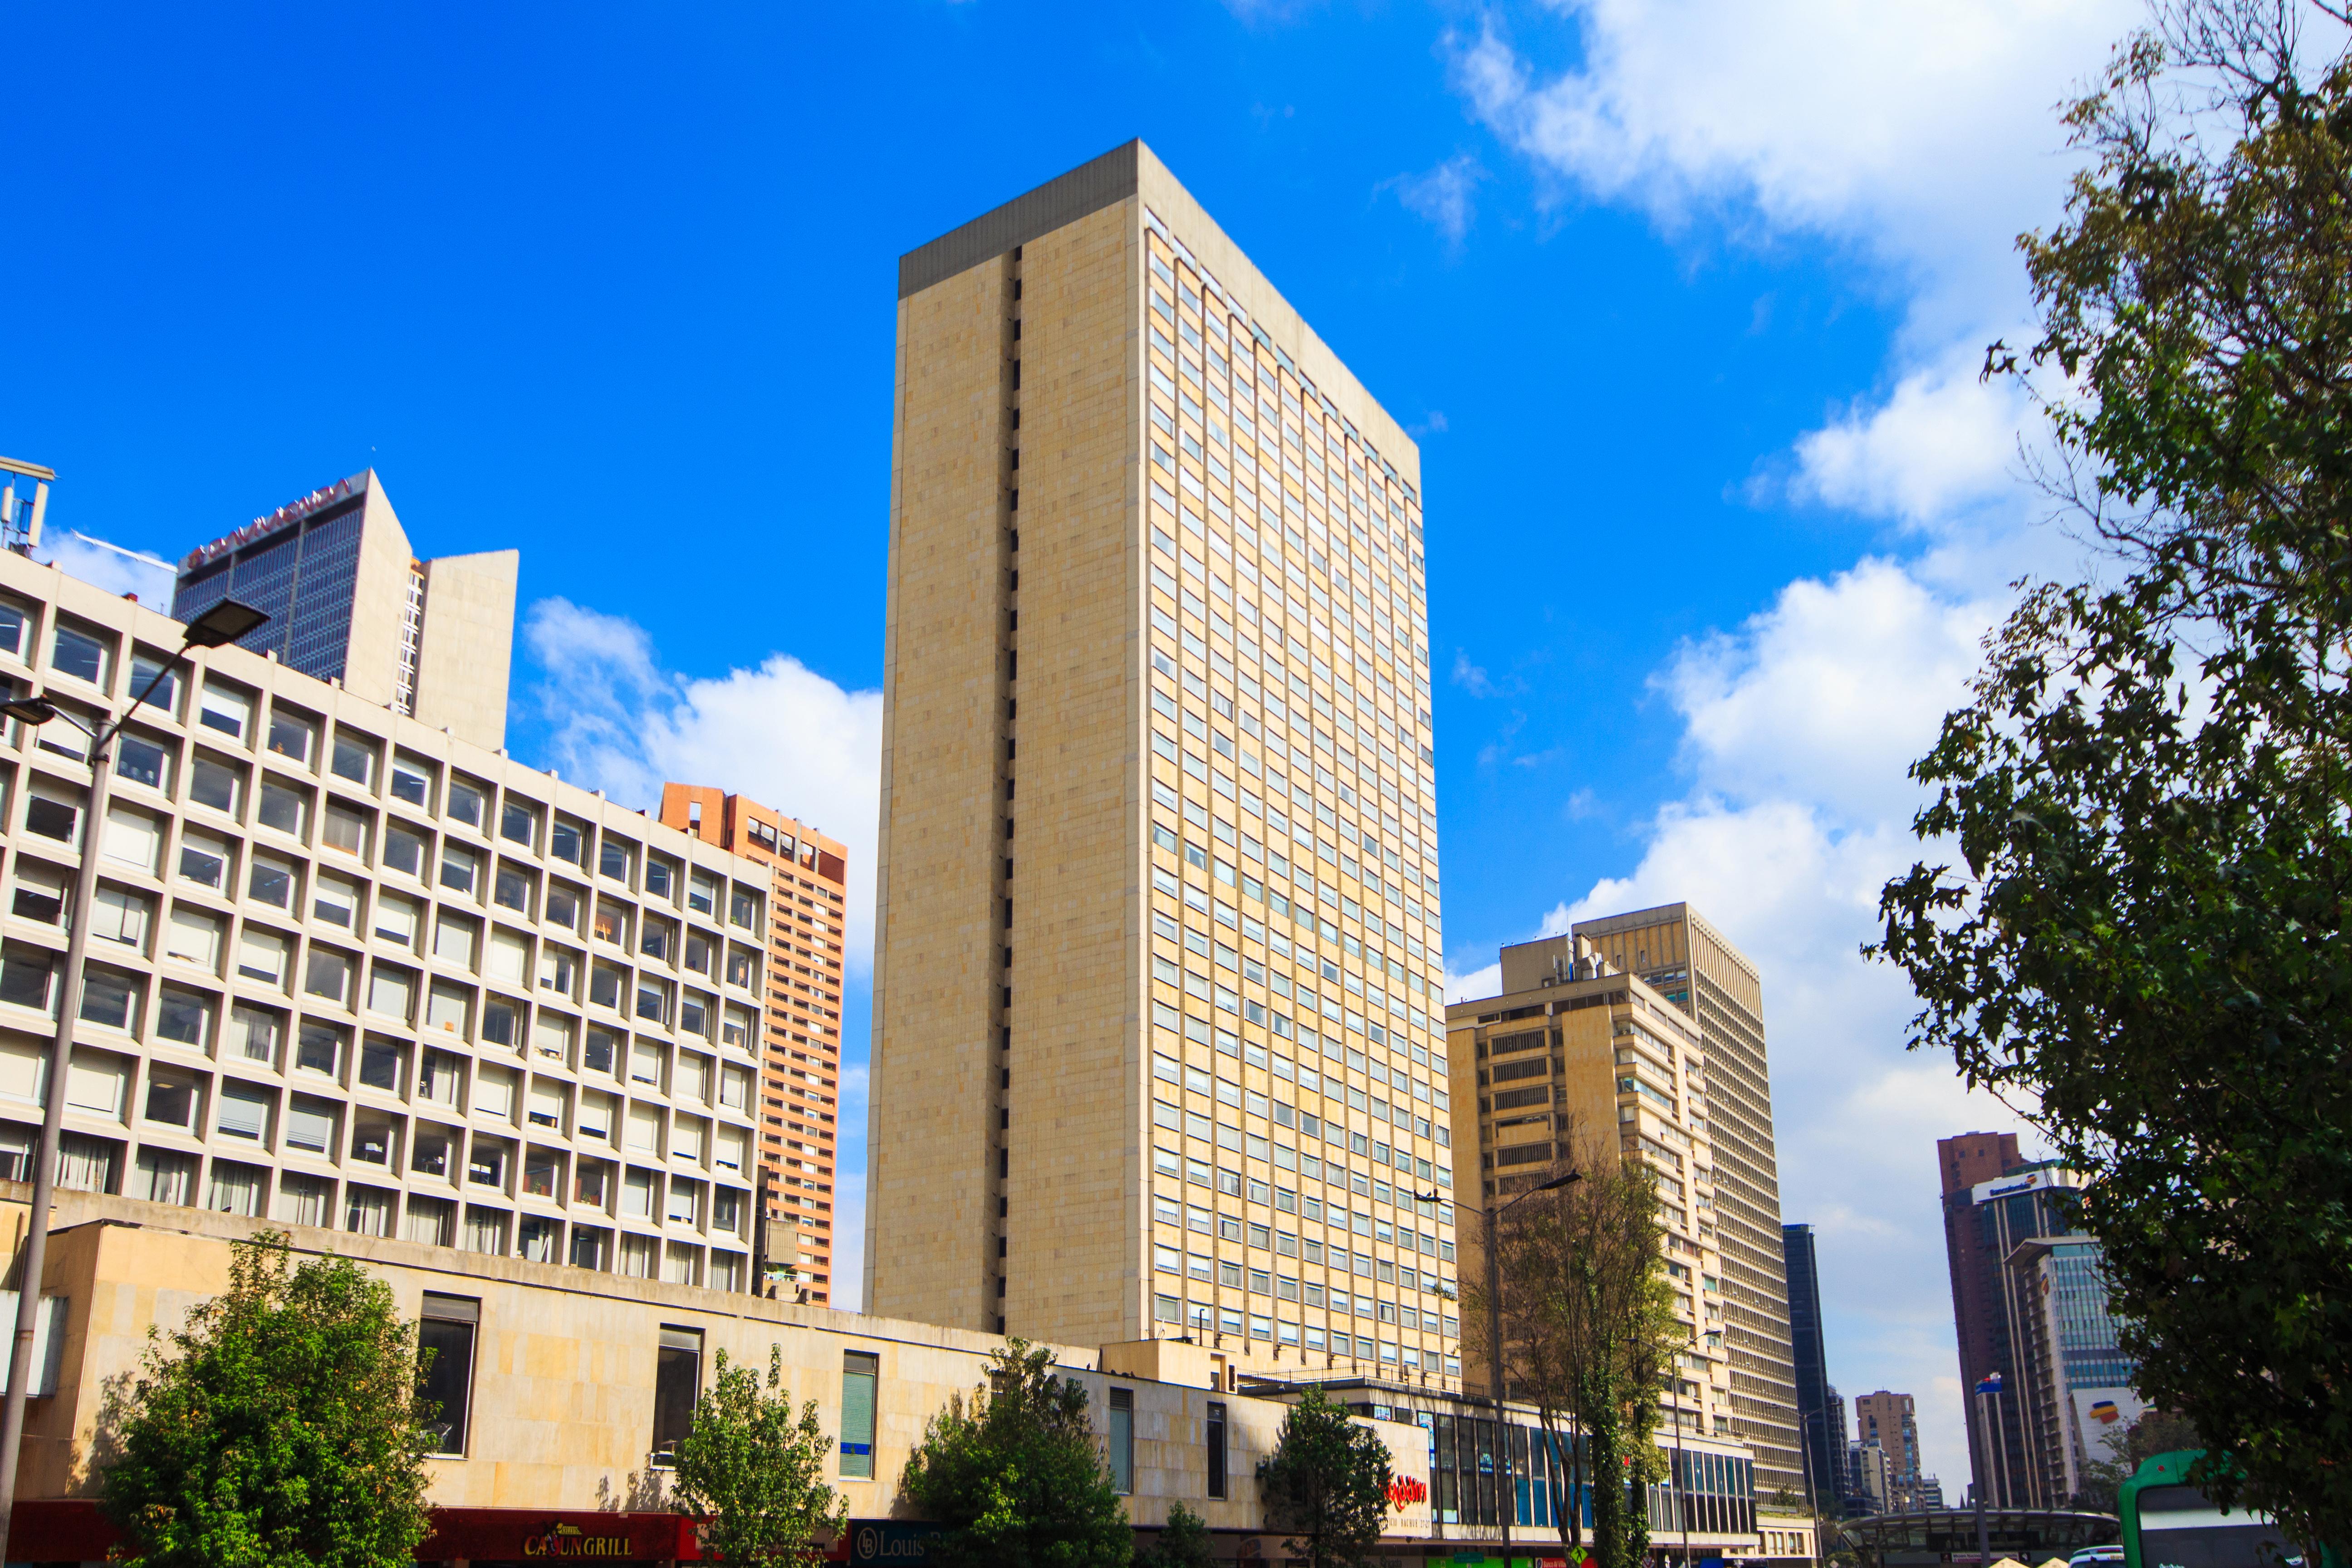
{"type": "Point", "coordinates": [1694, 967]}
{"type": "Point", "coordinates": [1159, 949]}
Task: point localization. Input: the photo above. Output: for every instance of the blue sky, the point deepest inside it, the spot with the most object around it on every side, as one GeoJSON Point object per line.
{"type": "Point", "coordinates": [1683, 300]}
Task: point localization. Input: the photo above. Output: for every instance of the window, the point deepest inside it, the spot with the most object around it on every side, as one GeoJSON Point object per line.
{"type": "Point", "coordinates": [77, 653]}
{"type": "Point", "coordinates": [244, 1112]}
{"type": "Point", "coordinates": [354, 758]}
{"type": "Point", "coordinates": [109, 997]}
{"type": "Point", "coordinates": [327, 975]}
{"type": "Point", "coordinates": [215, 783]}
{"type": "Point", "coordinates": [428, 1151]}
{"type": "Point", "coordinates": [661, 877]}
{"type": "Point", "coordinates": [519, 823]}
{"type": "Point", "coordinates": [467, 802]}
{"type": "Point", "coordinates": [132, 838]}
{"type": "Point", "coordinates": [346, 829]}
{"type": "Point", "coordinates": [184, 1016]}
{"type": "Point", "coordinates": [446, 1332]}
{"type": "Point", "coordinates": [677, 1383]}
{"type": "Point", "coordinates": [381, 1064]}
{"type": "Point", "coordinates": [270, 881]}
{"type": "Point", "coordinates": [119, 915]}
{"type": "Point", "coordinates": [558, 970]}
{"type": "Point", "coordinates": [702, 893]}
{"type": "Point", "coordinates": [569, 842]}
{"type": "Point", "coordinates": [261, 955]}
{"type": "Point", "coordinates": [547, 1096]}
{"type": "Point", "coordinates": [171, 1098]}
{"type": "Point", "coordinates": [563, 905]}
{"type": "Point", "coordinates": [510, 889]}
{"type": "Point", "coordinates": [235, 1188]}
{"type": "Point", "coordinates": [615, 859]}
{"type": "Point", "coordinates": [485, 1162]}
{"type": "Point", "coordinates": [145, 669]}
{"type": "Point", "coordinates": [255, 1035]}
{"type": "Point", "coordinates": [140, 761]}
{"type": "Point", "coordinates": [1121, 1445]}
{"type": "Point", "coordinates": [461, 869]}
{"type": "Point", "coordinates": [40, 893]}
{"type": "Point", "coordinates": [455, 939]}
{"type": "Point", "coordinates": [320, 1048]}
{"type": "Point", "coordinates": [744, 910]}
{"type": "Point", "coordinates": [283, 807]}
{"type": "Point", "coordinates": [448, 1007]}
{"type": "Point", "coordinates": [653, 1001]}
{"type": "Point", "coordinates": [861, 1378]}
{"type": "Point", "coordinates": [392, 991]}
{"type": "Point", "coordinates": [685, 1201]}
{"type": "Point", "coordinates": [52, 818]}
{"type": "Point", "coordinates": [335, 900]}
{"type": "Point", "coordinates": [589, 1179]}
{"type": "Point", "coordinates": [24, 979]}
{"type": "Point", "coordinates": [542, 1173]}
{"type": "Point", "coordinates": [412, 780]}
{"type": "Point", "coordinates": [1216, 1443]}
{"type": "Point", "coordinates": [292, 736]}
{"type": "Point", "coordinates": [397, 920]}
{"type": "Point", "coordinates": [226, 709]}
{"type": "Point", "coordinates": [403, 850]}
{"type": "Point", "coordinates": [204, 859]}
{"type": "Point", "coordinates": [310, 1125]}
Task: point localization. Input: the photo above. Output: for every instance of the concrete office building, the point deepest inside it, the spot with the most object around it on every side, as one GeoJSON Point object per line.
{"type": "Point", "coordinates": [2071, 1388]}
{"type": "Point", "coordinates": [349, 970]}
{"type": "Point", "coordinates": [1580, 1054]}
{"type": "Point", "coordinates": [1697, 969]}
{"type": "Point", "coordinates": [1824, 1450]}
{"type": "Point", "coordinates": [348, 600]}
{"type": "Point", "coordinates": [800, 1075]}
{"type": "Point", "coordinates": [1158, 944]}
{"type": "Point", "coordinates": [1890, 1421]}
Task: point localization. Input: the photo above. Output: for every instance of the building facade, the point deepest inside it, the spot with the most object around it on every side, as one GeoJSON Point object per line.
{"type": "Point", "coordinates": [1824, 1448]}
{"type": "Point", "coordinates": [1158, 947]}
{"type": "Point", "coordinates": [2025, 1440]}
{"type": "Point", "coordinates": [1962, 1163]}
{"type": "Point", "coordinates": [799, 1077]}
{"type": "Point", "coordinates": [349, 602]}
{"type": "Point", "coordinates": [1714, 986]}
{"type": "Point", "coordinates": [2075, 1378]}
{"type": "Point", "coordinates": [348, 970]}
{"type": "Point", "coordinates": [1891, 1421]}
{"type": "Point", "coordinates": [560, 1395]}
{"type": "Point", "coordinates": [1587, 1062]}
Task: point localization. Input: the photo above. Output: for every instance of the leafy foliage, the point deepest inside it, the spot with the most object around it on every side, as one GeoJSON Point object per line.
{"type": "Point", "coordinates": [1183, 1542]}
{"type": "Point", "coordinates": [2149, 787]}
{"type": "Point", "coordinates": [282, 1429]}
{"type": "Point", "coordinates": [1326, 1483]}
{"type": "Point", "coordinates": [1017, 1475]}
{"type": "Point", "coordinates": [1589, 1331]}
{"type": "Point", "coordinates": [754, 1473]}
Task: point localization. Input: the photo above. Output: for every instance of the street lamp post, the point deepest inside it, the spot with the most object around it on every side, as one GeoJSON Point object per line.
{"type": "Point", "coordinates": [1506, 1490]}
{"type": "Point", "coordinates": [223, 623]}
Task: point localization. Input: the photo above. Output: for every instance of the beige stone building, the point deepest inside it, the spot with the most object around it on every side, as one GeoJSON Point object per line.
{"type": "Point", "coordinates": [1154, 1047]}
{"type": "Point", "coordinates": [1717, 988]}
{"type": "Point", "coordinates": [350, 602]}
{"type": "Point", "coordinates": [561, 1391]}
{"type": "Point", "coordinates": [1586, 1055]}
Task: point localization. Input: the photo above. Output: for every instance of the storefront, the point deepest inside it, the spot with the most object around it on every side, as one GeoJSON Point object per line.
{"type": "Point", "coordinates": [61, 1531]}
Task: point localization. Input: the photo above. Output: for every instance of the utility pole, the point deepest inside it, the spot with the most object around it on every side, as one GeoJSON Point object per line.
{"type": "Point", "coordinates": [223, 623]}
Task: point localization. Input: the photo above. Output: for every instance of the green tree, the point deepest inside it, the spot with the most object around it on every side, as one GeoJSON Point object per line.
{"type": "Point", "coordinates": [2148, 787]}
{"type": "Point", "coordinates": [1589, 1331]}
{"type": "Point", "coordinates": [1183, 1542]}
{"type": "Point", "coordinates": [1325, 1485]}
{"type": "Point", "coordinates": [754, 1473]}
{"type": "Point", "coordinates": [281, 1429]}
{"type": "Point", "coordinates": [1017, 1475]}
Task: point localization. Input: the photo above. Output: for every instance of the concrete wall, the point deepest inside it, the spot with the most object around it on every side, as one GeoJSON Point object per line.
{"type": "Point", "coordinates": [469, 642]}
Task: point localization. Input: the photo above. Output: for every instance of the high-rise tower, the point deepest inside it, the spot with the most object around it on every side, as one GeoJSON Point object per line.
{"type": "Point", "coordinates": [1158, 944]}
{"type": "Point", "coordinates": [800, 1072]}
{"type": "Point", "coordinates": [348, 602]}
{"type": "Point", "coordinates": [1824, 1462]}
{"type": "Point", "coordinates": [1697, 969]}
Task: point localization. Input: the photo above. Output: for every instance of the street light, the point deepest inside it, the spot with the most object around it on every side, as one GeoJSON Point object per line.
{"type": "Point", "coordinates": [1506, 1495]}
{"type": "Point", "coordinates": [223, 623]}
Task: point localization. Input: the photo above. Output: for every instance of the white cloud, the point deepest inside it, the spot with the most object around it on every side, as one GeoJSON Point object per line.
{"type": "Point", "coordinates": [1797, 730]}
{"type": "Point", "coordinates": [778, 732]}
{"type": "Point", "coordinates": [1443, 197]}
{"type": "Point", "coordinates": [111, 567]}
